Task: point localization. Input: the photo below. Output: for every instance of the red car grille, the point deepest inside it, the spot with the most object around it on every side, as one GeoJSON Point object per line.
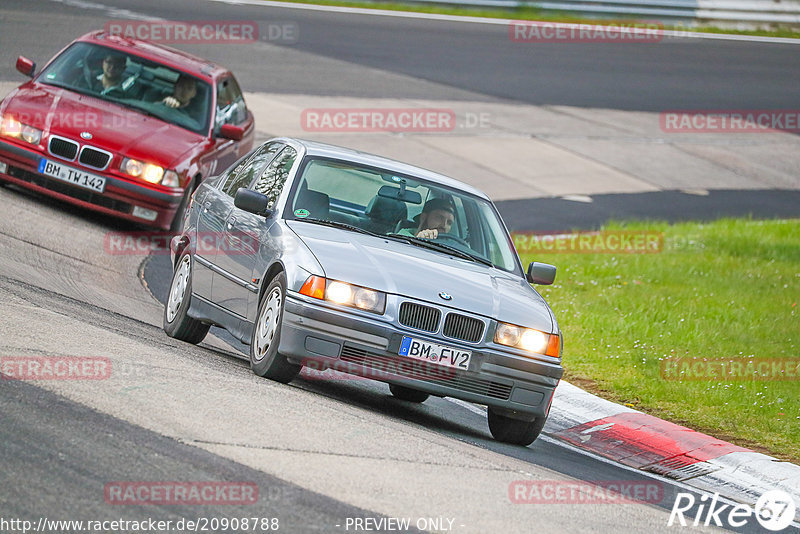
{"type": "Point", "coordinates": [63, 148]}
{"type": "Point", "coordinates": [91, 157]}
{"type": "Point", "coordinates": [69, 150]}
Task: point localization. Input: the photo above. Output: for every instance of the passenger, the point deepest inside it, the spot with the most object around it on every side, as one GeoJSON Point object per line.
{"type": "Point", "coordinates": [110, 79]}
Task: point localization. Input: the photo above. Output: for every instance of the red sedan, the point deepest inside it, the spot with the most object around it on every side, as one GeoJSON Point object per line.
{"type": "Point", "coordinates": [124, 127]}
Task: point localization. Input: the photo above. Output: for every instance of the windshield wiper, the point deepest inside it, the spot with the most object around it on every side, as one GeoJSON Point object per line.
{"type": "Point", "coordinates": [441, 247]}
{"type": "Point", "coordinates": [337, 224]}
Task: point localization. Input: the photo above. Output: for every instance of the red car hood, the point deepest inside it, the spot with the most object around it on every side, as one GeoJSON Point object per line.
{"type": "Point", "coordinates": [115, 128]}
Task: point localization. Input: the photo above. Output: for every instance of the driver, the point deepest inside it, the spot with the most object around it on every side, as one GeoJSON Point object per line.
{"type": "Point", "coordinates": [184, 98]}
{"type": "Point", "coordinates": [437, 217]}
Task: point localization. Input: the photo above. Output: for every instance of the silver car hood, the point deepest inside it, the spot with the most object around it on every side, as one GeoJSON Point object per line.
{"type": "Point", "coordinates": [407, 270]}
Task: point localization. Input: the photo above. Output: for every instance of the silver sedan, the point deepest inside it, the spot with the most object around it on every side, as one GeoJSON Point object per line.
{"type": "Point", "coordinates": [322, 257]}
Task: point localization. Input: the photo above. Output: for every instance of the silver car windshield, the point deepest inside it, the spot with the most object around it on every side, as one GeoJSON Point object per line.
{"type": "Point", "coordinates": [402, 207]}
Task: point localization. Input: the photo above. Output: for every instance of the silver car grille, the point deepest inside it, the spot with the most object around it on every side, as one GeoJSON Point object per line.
{"type": "Point", "coordinates": [419, 317]}
{"type": "Point", "coordinates": [457, 326]}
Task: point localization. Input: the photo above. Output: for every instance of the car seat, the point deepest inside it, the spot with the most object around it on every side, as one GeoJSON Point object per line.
{"type": "Point", "coordinates": [384, 213]}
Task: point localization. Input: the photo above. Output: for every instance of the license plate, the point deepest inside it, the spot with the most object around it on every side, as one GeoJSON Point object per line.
{"type": "Point", "coordinates": [438, 354]}
{"type": "Point", "coordinates": [73, 176]}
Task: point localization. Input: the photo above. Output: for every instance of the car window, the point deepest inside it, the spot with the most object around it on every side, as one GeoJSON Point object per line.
{"type": "Point", "coordinates": [381, 201]}
{"type": "Point", "coordinates": [274, 175]}
{"type": "Point", "coordinates": [134, 82]}
{"type": "Point", "coordinates": [243, 175]}
{"type": "Point", "coordinates": [231, 108]}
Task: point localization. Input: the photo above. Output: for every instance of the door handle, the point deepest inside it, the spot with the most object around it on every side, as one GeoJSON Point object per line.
{"type": "Point", "coordinates": [206, 205]}
{"type": "Point", "coordinates": [231, 223]}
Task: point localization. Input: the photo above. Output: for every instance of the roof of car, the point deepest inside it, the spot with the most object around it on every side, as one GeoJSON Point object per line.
{"type": "Point", "coordinates": [169, 56]}
{"type": "Point", "coordinates": [315, 148]}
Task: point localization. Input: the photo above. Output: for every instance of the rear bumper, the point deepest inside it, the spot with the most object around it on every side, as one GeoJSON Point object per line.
{"type": "Point", "coordinates": [118, 199]}
{"type": "Point", "coordinates": [322, 338]}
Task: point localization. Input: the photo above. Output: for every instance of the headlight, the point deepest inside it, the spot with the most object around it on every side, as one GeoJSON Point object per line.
{"type": "Point", "coordinates": [345, 294]}
{"type": "Point", "coordinates": [146, 171]}
{"type": "Point", "coordinates": [11, 127]}
{"type": "Point", "coordinates": [527, 339]}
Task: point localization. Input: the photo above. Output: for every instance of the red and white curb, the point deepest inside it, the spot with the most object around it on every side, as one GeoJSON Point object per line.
{"type": "Point", "coordinates": [650, 444]}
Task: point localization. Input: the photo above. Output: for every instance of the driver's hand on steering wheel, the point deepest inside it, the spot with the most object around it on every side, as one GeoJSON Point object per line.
{"type": "Point", "coordinates": [431, 233]}
{"type": "Point", "coordinates": [171, 102]}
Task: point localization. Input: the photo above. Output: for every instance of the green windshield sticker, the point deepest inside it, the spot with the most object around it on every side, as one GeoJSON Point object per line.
{"type": "Point", "coordinates": [301, 213]}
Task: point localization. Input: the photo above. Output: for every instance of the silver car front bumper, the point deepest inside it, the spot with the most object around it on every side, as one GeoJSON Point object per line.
{"type": "Point", "coordinates": [322, 337]}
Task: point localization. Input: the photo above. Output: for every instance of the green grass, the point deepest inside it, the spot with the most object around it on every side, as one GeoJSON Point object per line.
{"type": "Point", "coordinates": [726, 289]}
{"type": "Point", "coordinates": [531, 13]}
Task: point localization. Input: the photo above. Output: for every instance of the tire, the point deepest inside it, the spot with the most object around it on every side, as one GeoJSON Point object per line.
{"type": "Point", "coordinates": [264, 357]}
{"type": "Point", "coordinates": [176, 323]}
{"type": "Point", "coordinates": [514, 431]}
{"type": "Point", "coordinates": [408, 394]}
{"type": "Point", "coordinates": [177, 222]}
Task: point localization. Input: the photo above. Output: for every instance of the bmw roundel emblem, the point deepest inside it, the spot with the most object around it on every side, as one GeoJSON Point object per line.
{"type": "Point", "coordinates": [445, 295]}
{"type": "Point", "coordinates": [86, 135]}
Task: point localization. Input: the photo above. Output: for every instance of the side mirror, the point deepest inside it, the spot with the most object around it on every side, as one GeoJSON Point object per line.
{"type": "Point", "coordinates": [252, 202]}
{"type": "Point", "coordinates": [26, 66]}
{"type": "Point", "coordinates": [541, 273]}
{"type": "Point", "coordinates": [231, 131]}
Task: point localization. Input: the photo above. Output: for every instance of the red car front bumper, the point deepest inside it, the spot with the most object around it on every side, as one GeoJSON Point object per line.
{"type": "Point", "coordinates": [119, 199]}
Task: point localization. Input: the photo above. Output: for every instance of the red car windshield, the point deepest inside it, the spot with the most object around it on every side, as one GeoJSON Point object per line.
{"type": "Point", "coordinates": [134, 82]}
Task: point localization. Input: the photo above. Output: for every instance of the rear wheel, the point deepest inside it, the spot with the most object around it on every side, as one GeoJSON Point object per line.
{"type": "Point", "coordinates": [514, 431]}
{"type": "Point", "coordinates": [177, 323]}
{"type": "Point", "coordinates": [408, 394]}
{"type": "Point", "coordinates": [265, 360]}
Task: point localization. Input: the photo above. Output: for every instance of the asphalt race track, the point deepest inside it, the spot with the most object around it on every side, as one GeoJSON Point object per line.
{"type": "Point", "coordinates": [318, 452]}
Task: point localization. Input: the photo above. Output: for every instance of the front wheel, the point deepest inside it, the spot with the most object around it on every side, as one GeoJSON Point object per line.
{"type": "Point", "coordinates": [514, 431]}
{"type": "Point", "coordinates": [177, 323]}
{"type": "Point", "coordinates": [177, 221]}
{"type": "Point", "coordinates": [265, 360]}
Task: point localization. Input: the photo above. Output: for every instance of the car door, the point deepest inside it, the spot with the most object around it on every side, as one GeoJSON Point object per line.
{"type": "Point", "coordinates": [213, 207]}
{"type": "Point", "coordinates": [236, 241]}
{"type": "Point", "coordinates": [231, 109]}
{"type": "Point", "coordinates": [271, 182]}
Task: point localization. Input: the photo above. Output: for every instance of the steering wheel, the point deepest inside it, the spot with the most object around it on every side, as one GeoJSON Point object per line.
{"type": "Point", "coordinates": [452, 237]}
{"type": "Point", "coordinates": [114, 92]}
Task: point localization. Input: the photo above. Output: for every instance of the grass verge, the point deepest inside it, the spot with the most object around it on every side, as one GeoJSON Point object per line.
{"type": "Point", "coordinates": [727, 289]}
{"type": "Point", "coordinates": [531, 13]}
